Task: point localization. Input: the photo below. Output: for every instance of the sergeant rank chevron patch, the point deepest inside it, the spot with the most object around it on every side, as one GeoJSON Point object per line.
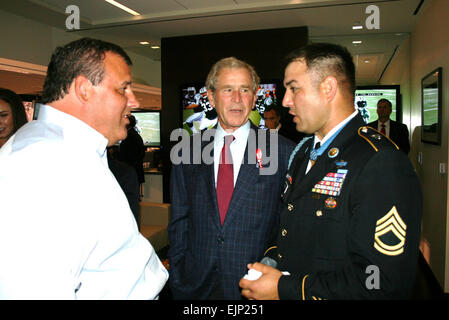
{"type": "Point", "coordinates": [389, 237]}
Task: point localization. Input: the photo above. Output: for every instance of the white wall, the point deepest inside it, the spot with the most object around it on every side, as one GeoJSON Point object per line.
{"type": "Point", "coordinates": [31, 41]}
{"type": "Point", "coordinates": [429, 49]}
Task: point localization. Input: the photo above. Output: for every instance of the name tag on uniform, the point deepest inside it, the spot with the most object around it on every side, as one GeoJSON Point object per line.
{"type": "Point", "coordinates": [332, 183]}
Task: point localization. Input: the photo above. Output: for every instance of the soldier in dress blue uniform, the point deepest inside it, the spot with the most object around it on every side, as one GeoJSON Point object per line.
{"type": "Point", "coordinates": [352, 203]}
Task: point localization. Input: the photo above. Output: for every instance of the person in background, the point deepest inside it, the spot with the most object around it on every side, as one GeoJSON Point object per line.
{"type": "Point", "coordinates": [12, 114]}
{"type": "Point", "coordinates": [66, 228]}
{"type": "Point", "coordinates": [126, 177]}
{"type": "Point", "coordinates": [272, 117]}
{"type": "Point", "coordinates": [132, 150]}
{"type": "Point", "coordinates": [352, 203]}
{"type": "Point", "coordinates": [397, 132]}
{"type": "Point", "coordinates": [224, 210]}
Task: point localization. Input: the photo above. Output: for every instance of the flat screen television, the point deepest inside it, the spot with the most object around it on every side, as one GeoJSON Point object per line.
{"type": "Point", "coordinates": [366, 98]}
{"type": "Point", "coordinates": [148, 126]}
{"type": "Point", "coordinates": [198, 114]}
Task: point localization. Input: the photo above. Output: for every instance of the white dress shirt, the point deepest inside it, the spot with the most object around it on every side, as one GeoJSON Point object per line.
{"type": "Point", "coordinates": [238, 147]}
{"type": "Point", "coordinates": [387, 127]}
{"type": "Point", "coordinates": [66, 229]}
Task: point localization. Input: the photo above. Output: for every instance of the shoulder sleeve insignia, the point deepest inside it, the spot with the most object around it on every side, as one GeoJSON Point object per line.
{"type": "Point", "coordinates": [375, 138]}
{"type": "Point", "coordinates": [389, 237]}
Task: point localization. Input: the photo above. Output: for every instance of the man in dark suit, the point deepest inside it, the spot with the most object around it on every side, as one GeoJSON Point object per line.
{"type": "Point", "coordinates": [226, 204]}
{"type": "Point", "coordinates": [350, 222]}
{"type": "Point", "coordinates": [396, 131]}
{"type": "Point", "coordinates": [272, 116]}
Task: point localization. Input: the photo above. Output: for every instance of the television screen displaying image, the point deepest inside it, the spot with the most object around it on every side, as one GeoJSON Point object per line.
{"type": "Point", "coordinates": [366, 99]}
{"type": "Point", "coordinates": [198, 114]}
{"type": "Point", "coordinates": [148, 126]}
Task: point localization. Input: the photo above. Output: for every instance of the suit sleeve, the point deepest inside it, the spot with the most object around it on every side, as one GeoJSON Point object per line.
{"type": "Point", "coordinates": [383, 237]}
{"type": "Point", "coordinates": [178, 226]}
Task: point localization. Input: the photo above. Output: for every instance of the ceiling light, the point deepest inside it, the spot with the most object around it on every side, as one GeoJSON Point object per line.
{"type": "Point", "coordinates": [144, 43]}
{"type": "Point", "coordinates": [121, 6]}
{"type": "Point", "coordinates": [357, 27]}
{"type": "Point", "coordinates": [356, 42]}
{"type": "Point", "coordinates": [155, 47]}
{"type": "Point", "coordinates": [366, 61]}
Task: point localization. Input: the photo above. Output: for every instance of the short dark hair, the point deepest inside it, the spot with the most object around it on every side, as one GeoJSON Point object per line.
{"type": "Point", "coordinates": [324, 59]}
{"type": "Point", "coordinates": [81, 57]}
{"type": "Point", "coordinates": [386, 101]}
{"type": "Point", "coordinates": [273, 107]}
{"type": "Point", "coordinates": [17, 109]}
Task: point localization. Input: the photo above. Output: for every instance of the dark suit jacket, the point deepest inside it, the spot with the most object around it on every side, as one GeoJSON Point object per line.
{"type": "Point", "coordinates": [202, 251]}
{"type": "Point", "coordinates": [398, 133]}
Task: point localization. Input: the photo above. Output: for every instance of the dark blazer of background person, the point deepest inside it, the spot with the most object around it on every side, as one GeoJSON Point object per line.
{"type": "Point", "coordinates": [398, 133]}
{"type": "Point", "coordinates": [132, 150]}
{"type": "Point", "coordinates": [201, 249]}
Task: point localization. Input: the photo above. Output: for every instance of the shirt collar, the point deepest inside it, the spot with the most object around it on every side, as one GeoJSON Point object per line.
{"type": "Point", "coordinates": [74, 129]}
{"type": "Point", "coordinates": [334, 129]}
{"type": "Point", "coordinates": [240, 134]}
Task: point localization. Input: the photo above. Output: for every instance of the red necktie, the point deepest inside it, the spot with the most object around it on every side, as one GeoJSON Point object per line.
{"type": "Point", "coordinates": [225, 178]}
{"type": "Point", "coordinates": [382, 129]}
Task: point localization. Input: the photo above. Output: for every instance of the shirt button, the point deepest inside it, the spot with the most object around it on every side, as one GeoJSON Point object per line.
{"type": "Point", "coordinates": [290, 207]}
{"type": "Point", "coordinates": [279, 256]}
{"type": "Point", "coordinates": [319, 213]}
{"type": "Point", "coordinates": [284, 232]}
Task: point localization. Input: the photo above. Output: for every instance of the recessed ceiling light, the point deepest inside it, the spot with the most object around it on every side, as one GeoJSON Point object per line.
{"type": "Point", "coordinates": [155, 47]}
{"type": "Point", "coordinates": [144, 43]}
{"type": "Point", "coordinates": [121, 6]}
{"type": "Point", "coordinates": [356, 42]}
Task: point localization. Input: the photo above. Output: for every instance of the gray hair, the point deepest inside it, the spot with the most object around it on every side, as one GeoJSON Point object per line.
{"type": "Point", "coordinates": [232, 63]}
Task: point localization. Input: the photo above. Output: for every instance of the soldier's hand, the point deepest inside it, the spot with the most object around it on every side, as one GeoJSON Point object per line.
{"type": "Point", "coordinates": [264, 288]}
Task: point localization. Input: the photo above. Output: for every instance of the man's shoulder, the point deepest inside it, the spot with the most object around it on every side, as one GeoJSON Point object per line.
{"type": "Point", "coordinates": [374, 140]}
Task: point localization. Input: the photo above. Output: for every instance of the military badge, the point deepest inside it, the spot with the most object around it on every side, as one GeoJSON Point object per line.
{"type": "Point", "coordinates": [330, 203]}
{"type": "Point", "coordinates": [341, 163]}
{"type": "Point", "coordinates": [333, 152]}
{"type": "Point", "coordinates": [389, 237]}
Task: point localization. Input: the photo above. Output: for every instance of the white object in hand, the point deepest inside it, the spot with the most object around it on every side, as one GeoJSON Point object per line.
{"type": "Point", "coordinates": [252, 274]}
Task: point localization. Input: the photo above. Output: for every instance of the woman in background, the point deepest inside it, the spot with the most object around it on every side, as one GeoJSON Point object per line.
{"type": "Point", "coordinates": [12, 114]}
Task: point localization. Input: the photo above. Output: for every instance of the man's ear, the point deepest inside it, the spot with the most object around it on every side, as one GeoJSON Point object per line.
{"type": "Point", "coordinates": [329, 87]}
{"type": "Point", "coordinates": [83, 89]}
{"type": "Point", "coordinates": [210, 96]}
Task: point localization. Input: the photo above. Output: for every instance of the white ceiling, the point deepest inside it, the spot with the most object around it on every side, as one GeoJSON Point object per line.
{"type": "Point", "coordinates": [327, 20]}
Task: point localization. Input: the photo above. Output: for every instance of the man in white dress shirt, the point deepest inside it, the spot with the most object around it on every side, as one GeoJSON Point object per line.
{"type": "Point", "coordinates": [66, 229]}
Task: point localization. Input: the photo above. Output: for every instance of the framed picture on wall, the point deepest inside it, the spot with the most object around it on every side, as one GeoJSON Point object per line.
{"type": "Point", "coordinates": [431, 106]}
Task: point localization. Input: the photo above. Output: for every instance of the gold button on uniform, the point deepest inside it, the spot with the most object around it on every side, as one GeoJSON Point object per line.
{"type": "Point", "coordinates": [319, 213]}
{"type": "Point", "coordinates": [290, 207]}
{"type": "Point", "coordinates": [284, 232]}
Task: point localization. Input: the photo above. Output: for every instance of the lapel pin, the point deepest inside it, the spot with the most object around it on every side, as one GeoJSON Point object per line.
{"type": "Point", "coordinates": [259, 158]}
